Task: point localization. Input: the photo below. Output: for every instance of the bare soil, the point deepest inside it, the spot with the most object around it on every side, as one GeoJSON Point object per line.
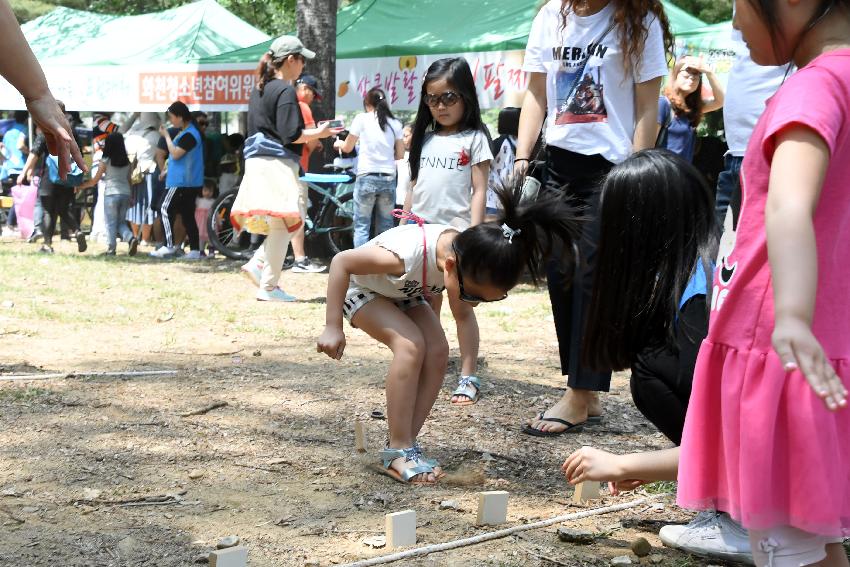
{"type": "Point", "coordinates": [107, 470]}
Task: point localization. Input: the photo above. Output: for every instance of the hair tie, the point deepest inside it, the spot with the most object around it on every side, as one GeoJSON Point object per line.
{"type": "Point", "coordinates": [509, 233]}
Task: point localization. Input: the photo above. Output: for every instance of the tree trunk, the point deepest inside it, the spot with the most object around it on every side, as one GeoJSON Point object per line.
{"type": "Point", "coordinates": [316, 21]}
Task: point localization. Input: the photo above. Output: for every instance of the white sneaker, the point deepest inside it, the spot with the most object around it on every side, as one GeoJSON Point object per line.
{"type": "Point", "coordinates": [164, 252]}
{"type": "Point", "coordinates": [711, 534]}
{"type": "Point", "coordinates": [276, 294]}
{"type": "Point", "coordinates": [192, 255]}
{"type": "Point", "coordinates": [307, 266]}
{"type": "Point", "coordinates": [253, 271]}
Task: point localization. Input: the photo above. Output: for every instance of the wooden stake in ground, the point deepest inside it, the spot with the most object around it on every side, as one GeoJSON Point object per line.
{"type": "Point", "coordinates": [359, 436]}
{"type": "Point", "coordinates": [584, 491]}
{"type": "Point", "coordinates": [401, 529]}
{"type": "Point", "coordinates": [492, 508]}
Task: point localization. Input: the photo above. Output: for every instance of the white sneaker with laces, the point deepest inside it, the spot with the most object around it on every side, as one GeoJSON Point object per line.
{"type": "Point", "coordinates": [307, 266]}
{"type": "Point", "coordinates": [276, 294]}
{"type": "Point", "coordinates": [193, 255]}
{"type": "Point", "coordinates": [164, 252]}
{"type": "Point", "coordinates": [711, 534]}
{"type": "Point", "coordinates": [253, 271]}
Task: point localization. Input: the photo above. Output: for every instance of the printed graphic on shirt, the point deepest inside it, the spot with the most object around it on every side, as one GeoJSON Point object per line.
{"type": "Point", "coordinates": [579, 92]}
{"type": "Point", "coordinates": [726, 268]}
{"type": "Point", "coordinates": [457, 161]}
{"type": "Point", "coordinates": [413, 288]}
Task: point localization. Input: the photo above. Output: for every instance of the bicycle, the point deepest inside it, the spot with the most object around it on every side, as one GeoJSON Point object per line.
{"type": "Point", "coordinates": [330, 218]}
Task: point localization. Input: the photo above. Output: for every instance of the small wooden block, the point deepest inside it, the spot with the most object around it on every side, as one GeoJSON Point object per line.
{"type": "Point", "coordinates": [584, 491]}
{"type": "Point", "coordinates": [492, 507]}
{"type": "Point", "coordinates": [359, 436]}
{"type": "Point", "coordinates": [401, 529]}
{"type": "Point", "coordinates": [230, 557]}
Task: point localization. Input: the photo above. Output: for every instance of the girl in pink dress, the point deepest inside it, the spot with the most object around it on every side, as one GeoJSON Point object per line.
{"type": "Point", "coordinates": [767, 433]}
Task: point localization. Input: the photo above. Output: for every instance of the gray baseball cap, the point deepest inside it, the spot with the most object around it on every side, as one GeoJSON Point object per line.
{"type": "Point", "coordinates": [287, 45]}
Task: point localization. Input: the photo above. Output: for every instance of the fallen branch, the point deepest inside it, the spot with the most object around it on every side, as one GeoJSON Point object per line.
{"type": "Point", "coordinates": [204, 410]}
{"type": "Point", "coordinates": [225, 353]}
{"type": "Point", "coordinates": [257, 468]}
{"type": "Point", "coordinates": [25, 377]}
{"type": "Point", "coordinates": [428, 549]}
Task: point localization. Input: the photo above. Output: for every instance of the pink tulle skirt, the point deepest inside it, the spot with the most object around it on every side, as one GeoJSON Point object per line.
{"type": "Point", "coordinates": [761, 446]}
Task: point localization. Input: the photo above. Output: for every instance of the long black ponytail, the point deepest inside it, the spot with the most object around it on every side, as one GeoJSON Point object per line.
{"type": "Point", "coordinates": [527, 233]}
{"type": "Point", "coordinates": [377, 99]}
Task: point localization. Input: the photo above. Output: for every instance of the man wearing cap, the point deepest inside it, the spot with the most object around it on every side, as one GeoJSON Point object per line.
{"type": "Point", "coordinates": [307, 90]}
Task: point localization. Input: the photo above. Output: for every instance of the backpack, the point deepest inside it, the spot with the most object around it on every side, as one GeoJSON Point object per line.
{"type": "Point", "coordinates": [136, 175]}
{"type": "Point", "coordinates": [74, 178]}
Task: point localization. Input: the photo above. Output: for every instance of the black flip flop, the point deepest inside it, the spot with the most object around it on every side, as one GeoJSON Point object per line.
{"type": "Point", "coordinates": [594, 419]}
{"type": "Point", "coordinates": [570, 427]}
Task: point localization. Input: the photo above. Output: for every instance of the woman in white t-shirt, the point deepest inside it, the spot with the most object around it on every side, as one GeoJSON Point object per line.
{"type": "Point", "coordinates": [595, 70]}
{"type": "Point", "coordinates": [449, 165]}
{"type": "Point", "coordinates": [379, 134]}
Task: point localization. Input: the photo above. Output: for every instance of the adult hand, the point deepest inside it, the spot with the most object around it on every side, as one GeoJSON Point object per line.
{"type": "Point", "coordinates": [163, 131]}
{"type": "Point", "coordinates": [21, 178]}
{"type": "Point", "coordinates": [161, 175]}
{"type": "Point", "coordinates": [323, 131]}
{"type": "Point", "coordinates": [339, 144]}
{"type": "Point", "coordinates": [45, 112]}
{"type": "Point", "coordinates": [798, 348]}
{"type": "Point", "coordinates": [331, 342]}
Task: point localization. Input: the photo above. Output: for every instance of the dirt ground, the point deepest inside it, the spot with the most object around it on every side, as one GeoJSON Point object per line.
{"type": "Point", "coordinates": [108, 470]}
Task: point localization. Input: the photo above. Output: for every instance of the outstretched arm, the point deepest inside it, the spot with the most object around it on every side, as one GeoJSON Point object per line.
{"type": "Point", "coordinates": [796, 178]}
{"type": "Point", "coordinates": [19, 66]}
{"type": "Point", "coordinates": [625, 472]}
{"type": "Point", "coordinates": [360, 261]}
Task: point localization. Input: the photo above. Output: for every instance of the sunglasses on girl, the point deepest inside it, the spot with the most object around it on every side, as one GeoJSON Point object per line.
{"type": "Point", "coordinates": [463, 295]}
{"type": "Point", "coordinates": [448, 98]}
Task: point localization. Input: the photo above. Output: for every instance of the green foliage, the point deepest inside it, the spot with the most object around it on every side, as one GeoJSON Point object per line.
{"type": "Point", "coordinates": [709, 11]}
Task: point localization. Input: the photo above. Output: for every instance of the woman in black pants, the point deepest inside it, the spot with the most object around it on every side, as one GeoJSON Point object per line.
{"type": "Point", "coordinates": [649, 309]}
{"type": "Point", "coordinates": [595, 70]}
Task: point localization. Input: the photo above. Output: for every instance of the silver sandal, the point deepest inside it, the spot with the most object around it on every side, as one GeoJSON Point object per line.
{"type": "Point", "coordinates": [462, 389]}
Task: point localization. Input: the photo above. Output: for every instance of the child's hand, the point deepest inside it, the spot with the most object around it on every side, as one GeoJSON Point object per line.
{"type": "Point", "coordinates": [620, 486]}
{"type": "Point", "coordinates": [331, 342]}
{"type": "Point", "coordinates": [798, 348]}
{"type": "Point", "coordinates": [588, 463]}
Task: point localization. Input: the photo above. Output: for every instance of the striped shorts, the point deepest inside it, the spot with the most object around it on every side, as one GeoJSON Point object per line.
{"type": "Point", "coordinates": [357, 297]}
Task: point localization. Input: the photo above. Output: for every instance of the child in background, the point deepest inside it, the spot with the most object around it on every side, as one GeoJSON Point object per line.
{"type": "Point", "coordinates": [383, 286]}
{"type": "Point", "coordinates": [449, 166]}
{"type": "Point", "coordinates": [504, 152]}
{"type": "Point", "coordinates": [403, 168]}
{"type": "Point", "coordinates": [114, 170]}
{"type": "Point", "coordinates": [203, 204]}
{"type": "Point", "coordinates": [767, 429]}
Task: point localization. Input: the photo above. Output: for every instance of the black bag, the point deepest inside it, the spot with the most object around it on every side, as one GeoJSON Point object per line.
{"type": "Point", "coordinates": [661, 140]}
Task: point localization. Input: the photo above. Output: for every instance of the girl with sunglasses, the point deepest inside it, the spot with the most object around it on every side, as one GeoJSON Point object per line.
{"type": "Point", "coordinates": [383, 287]}
{"type": "Point", "coordinates": [449, 168]}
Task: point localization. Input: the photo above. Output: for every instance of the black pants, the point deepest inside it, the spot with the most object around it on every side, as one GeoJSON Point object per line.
{"type": "Point", "coordinates": [578, 177]}
{"type": "Point", "coordinates": [57, 204]}
{"type": "Point", "coordinates": [662, 376]}
{"type": "Point", "coordinates": [180, 200]}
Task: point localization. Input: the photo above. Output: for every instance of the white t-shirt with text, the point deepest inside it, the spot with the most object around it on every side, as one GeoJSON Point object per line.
{"type": "Point", "coordinates": [442, 193]}
{"type": "Point", "coordinates": [406, 242]}
{"type": "Point", "coordinates": [591, 111]}
{"type": "Point", "coordinates": [377, 147]}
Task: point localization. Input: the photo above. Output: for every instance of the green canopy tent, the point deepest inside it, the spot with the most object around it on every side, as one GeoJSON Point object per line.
{"type": "Point", "coordinates": [100, 61]}
{"type": "Point", "coordinates": [714, 43]}
{"type": "Point", "coordinates": [391, 42]}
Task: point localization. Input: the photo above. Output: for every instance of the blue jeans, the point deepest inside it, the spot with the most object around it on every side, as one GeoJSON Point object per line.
{"type": "Point", "coordinates": [728, 188]}
{"type": "Point", "coordinates": [115, 210]}
{"type": "Point", "coordinates": [373, 193]}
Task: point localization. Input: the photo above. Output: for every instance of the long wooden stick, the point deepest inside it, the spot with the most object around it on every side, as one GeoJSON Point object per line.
{"type": "Point", "coordinates": [418, 552]}
{"type": "Point", "coordinates": [24, 377]}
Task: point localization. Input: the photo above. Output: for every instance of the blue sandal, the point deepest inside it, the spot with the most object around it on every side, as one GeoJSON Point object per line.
{"type": "Point", "coordinates": [463, 389]}
{"type": "Point", "coordinates": [409, 454]}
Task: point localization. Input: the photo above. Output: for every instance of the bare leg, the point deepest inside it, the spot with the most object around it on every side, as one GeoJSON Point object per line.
{"type": "Point", "coordinates": [468, 338]}
{"type": "Point", "coordinates": [146, 232]}
{"type": "Point", "coordinates": [298, 243]}
{"type": "Point", "coordinates": [386, 323]}
{"type": "Point", "coordinates": [433, 365]}
{"type": "Point", "coordinates": [836, 556]}
{"type": "Point", "coordinates": [135, 228]}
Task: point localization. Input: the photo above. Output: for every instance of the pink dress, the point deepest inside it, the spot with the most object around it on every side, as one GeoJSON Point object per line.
{"type": "Point", "coordinates": [202, 211]}
{"type": "Point", "coordinates": [758, 443]}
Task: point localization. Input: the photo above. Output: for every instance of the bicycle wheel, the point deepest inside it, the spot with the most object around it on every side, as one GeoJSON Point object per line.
{"type": "Point", "coordinates": [223, 236]}
{"type": "Point", "coordinates": [337, 225]}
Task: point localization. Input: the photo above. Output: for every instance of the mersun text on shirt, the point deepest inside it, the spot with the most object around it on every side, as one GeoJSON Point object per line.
{"type": "Point", "coordinates": [566, 53]}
